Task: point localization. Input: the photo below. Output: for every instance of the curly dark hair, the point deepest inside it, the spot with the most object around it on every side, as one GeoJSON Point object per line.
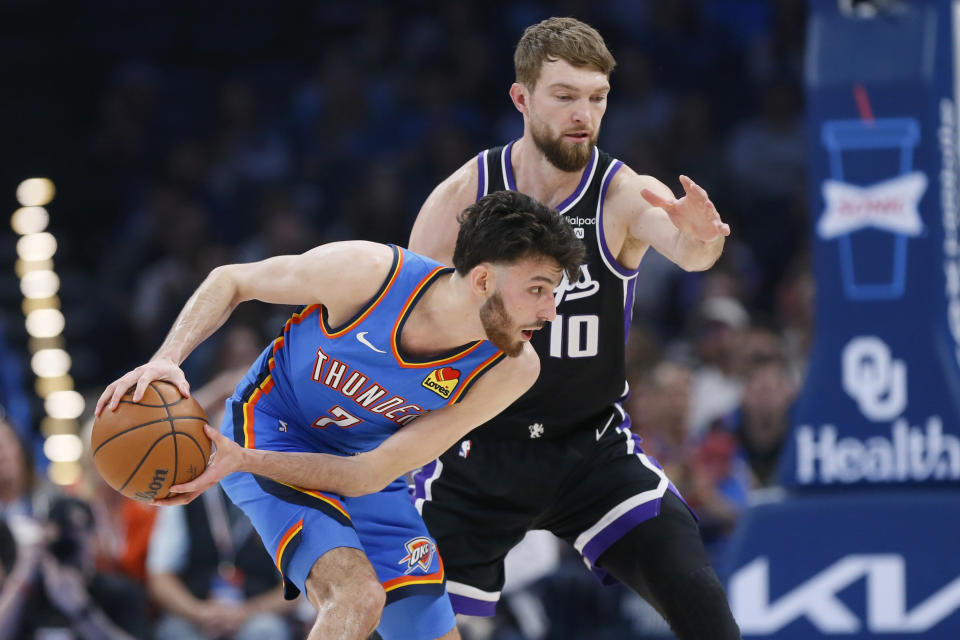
{"type": "Point", "coordinates": [507, 226]}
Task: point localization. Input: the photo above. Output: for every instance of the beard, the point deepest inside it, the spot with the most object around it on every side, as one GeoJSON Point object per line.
{"type": "Point", "coordinates": [565, 156]}
{"type": "Point", "coordinates": [498, 324]}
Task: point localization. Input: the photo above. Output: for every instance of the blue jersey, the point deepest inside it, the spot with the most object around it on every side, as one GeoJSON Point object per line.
{"type": "Point", "coordinates": [346, 389]}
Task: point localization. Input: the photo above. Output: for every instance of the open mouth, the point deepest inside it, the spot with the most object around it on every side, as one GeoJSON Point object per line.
{"type": "Point", "coordinates": [527, 333]}
{"type": "Point", "coordinates": [578, 136]}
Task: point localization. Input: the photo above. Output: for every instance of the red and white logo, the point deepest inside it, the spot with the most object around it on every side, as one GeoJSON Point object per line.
{"type": "Point", "coordinates": [442, 381]}
{"type": "Point", "coordinates": [891, 205]}
{"type": "Point", "coordinates": [419, 554]}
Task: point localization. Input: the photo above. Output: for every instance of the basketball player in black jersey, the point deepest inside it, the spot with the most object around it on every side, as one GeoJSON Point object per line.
{"type": "Point", "coordinates": [562, 457]}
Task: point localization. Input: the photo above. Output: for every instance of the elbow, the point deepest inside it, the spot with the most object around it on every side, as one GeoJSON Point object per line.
{"type": "Point", "coordinates": [699, 264]}
{"type": "Point", "coordinates": [363, 488]}
{"type": "Point", "coordinates": [369, 478]}
{"type": "Point", "coordinates": [224, 278]}
{"type": "Point", "coordinates": [703, 257]}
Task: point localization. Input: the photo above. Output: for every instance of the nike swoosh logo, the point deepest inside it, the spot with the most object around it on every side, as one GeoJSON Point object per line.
{"type": "Point", "coordinates": [366, 342]}
{"type": "Point", "coordinates": [600, 432]}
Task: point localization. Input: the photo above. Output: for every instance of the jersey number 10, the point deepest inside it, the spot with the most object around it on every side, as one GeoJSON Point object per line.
{"type": "Point", "coordinates": [580, 334]}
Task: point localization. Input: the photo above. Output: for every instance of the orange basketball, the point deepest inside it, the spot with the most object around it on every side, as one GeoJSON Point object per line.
{"type": "Point", "coordinates": [143, 448]}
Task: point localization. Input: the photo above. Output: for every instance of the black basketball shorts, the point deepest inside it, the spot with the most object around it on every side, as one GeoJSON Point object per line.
{"type": "Point", "coordinates": [480, 498]}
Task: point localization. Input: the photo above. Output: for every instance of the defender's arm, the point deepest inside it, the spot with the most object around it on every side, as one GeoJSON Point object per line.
{"type": "Point", "coordinates": [688, 231]}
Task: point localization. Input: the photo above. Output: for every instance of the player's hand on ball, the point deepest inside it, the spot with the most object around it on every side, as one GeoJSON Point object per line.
{"type": "Point", "coordinates": [226, 459]}
{"type": "Point", "coordinates": [157, 369]}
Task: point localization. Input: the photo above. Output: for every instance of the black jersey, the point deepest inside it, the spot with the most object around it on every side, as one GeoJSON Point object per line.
{"type": "Point", "coordinates": [582, 370]}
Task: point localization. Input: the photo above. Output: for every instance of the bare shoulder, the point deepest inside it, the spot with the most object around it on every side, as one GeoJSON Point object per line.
{"type": "Point", "coordinates": [435, 230]}
{"type": "Point", "coordinates": [352, 273]}
{"type": "Point", "coordinates": [361, 262]}
{"type": "Point", "coordinates": [459, 187]}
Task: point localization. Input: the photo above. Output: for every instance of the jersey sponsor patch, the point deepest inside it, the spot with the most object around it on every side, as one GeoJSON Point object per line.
{"type": "Point", "coordinates": [419, 554]}
{"type": "Point", "coordinates": [442, 381]}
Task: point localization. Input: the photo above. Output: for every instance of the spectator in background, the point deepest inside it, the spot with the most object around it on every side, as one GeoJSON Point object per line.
{"type": "Point", "coordinates": [53, 583]}
{"type": "Point", "coordinates": [54, 590]}
{"type": "Point", "coordinates": [121, 529]}
{"type": "Point", "coordinates": [741, 452]}
{"type": "Point", "coordinates": [210, 576]}
{"type": "Point", "coordinates": [762, 422]}
{"type": "Point", "coordinates": [665, 405]}
{"type": "Point", "coordinates": [716, 389]}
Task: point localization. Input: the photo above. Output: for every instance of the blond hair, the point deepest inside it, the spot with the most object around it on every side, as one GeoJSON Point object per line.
{"type": "Point", "coordinates": [560, 39]}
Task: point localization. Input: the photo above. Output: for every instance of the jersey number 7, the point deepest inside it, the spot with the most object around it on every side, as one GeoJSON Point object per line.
{"type": "Point", "coordinates": [341, 418]}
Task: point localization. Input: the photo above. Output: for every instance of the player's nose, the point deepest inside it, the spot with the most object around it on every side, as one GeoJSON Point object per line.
{"type": "Point", "coordinates": [549, 311]}
{"type": "Point", "coordinates": [581, 113]}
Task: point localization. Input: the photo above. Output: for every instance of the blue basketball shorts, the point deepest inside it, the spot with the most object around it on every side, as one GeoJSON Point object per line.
{"type": "Point", "coordinates": [298, 526]}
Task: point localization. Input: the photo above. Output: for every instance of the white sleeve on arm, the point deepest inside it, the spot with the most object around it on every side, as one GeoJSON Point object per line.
{"type": "Point", "coordinates": [169, 543]}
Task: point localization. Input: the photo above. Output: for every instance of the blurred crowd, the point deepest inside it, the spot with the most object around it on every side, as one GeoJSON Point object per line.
{"type": "Point", "coordinates": [234, 131]}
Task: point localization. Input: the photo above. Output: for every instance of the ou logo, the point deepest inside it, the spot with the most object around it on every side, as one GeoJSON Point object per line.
{"type": "Point", "coordinates": [873, 378]}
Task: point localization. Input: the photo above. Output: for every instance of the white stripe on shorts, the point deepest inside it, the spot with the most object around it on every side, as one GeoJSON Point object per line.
{"type": "Point", "coordinates": [465, 590]}
{"type": "Point", "coordinates": [654, 494]}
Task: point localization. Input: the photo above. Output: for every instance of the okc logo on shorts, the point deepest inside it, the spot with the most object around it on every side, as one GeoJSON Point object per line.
{"type": "Point", "coordinates": [419, 554]}
{"type": "Point", "coordinates": [442, 381]}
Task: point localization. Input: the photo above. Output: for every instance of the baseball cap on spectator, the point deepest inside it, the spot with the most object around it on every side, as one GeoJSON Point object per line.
{"type": "Point", "coordinates": [723, 310]}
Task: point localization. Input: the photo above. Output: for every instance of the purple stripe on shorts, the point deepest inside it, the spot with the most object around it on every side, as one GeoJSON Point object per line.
{"type": "Point", "coordinates": [617, 529]}
{"type": "Point", "coordinates": [472, 607]}
{"type": "Point", "coordinates": [481, 174]}
{"type": "Point", "coordinates": [587, 172]}
{"type": "Point", "coordinates": [420, 479]}
{"type": "Point", "coordinates": [511, 182]}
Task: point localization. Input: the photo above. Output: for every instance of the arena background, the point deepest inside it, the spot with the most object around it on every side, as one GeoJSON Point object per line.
{"type": "Point", "coordinates": [180, 137]}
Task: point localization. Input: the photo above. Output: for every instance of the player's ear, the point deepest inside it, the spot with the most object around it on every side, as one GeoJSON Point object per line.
{"type": "Point", "coordinates": [520, 97]}
{"type": "Point", "coordinates": [482, 279]}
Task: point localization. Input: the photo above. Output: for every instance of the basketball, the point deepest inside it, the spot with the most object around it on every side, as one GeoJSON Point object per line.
{"type": "Point", "coordinates": [143, 448]}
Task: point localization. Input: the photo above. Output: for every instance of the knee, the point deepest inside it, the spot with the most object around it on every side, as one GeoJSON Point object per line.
{"type": "Point", "coordinates": [370, 598]}
{"type": "Point", "coordinates": [361, 597]}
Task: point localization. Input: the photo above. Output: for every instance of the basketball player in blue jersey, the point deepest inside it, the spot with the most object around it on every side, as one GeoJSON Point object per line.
{"type": "Point", "coordinates": [563, 457]}
{"type": "Point", "coordinates": [393, 360]}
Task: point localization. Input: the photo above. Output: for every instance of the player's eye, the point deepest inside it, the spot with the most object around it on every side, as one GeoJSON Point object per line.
{"type": "Point", "coordinates": [537, 290]}
{"type": "Point", "coordinates": [599, 98]}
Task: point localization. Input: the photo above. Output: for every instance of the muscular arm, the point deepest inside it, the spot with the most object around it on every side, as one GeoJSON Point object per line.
{"type": "Point", "coordinates": [688, 231]}
{"type": "Point", "coordinates": [327, 274]}
{"type": "Point", "coordinates": [411, 447]}
{"type": "Point", "coordinates": [341, 275]}
{"type": "Point", "coordinates": [435, 230]}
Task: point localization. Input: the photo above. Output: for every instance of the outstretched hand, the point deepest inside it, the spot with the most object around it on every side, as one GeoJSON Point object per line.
{"type": "Point", "coordinates": [159, 369]}
{"type": "Point", "coordinates": [227, 457]}
{"type": "Point", "coordinates": [693, 214]}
